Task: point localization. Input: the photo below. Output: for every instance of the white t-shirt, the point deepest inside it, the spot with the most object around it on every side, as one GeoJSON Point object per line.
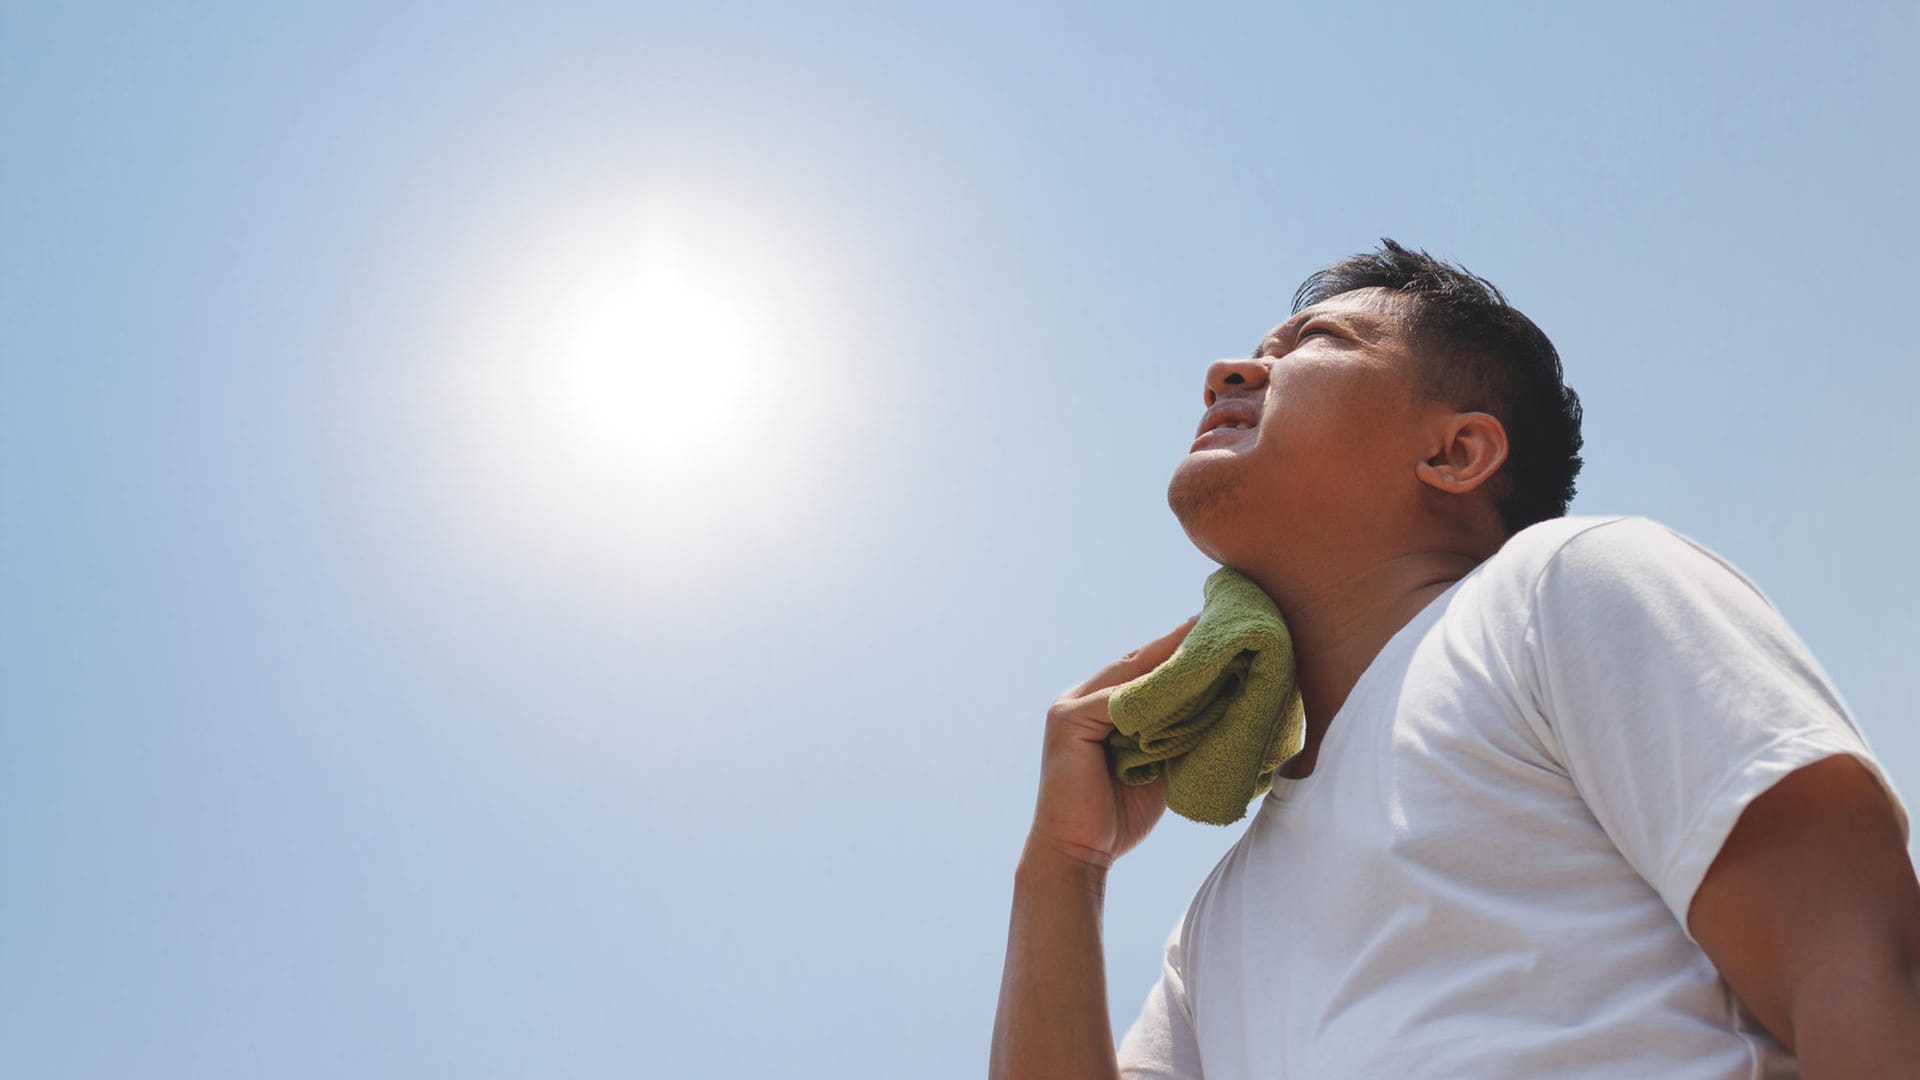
{"type": "Point", "coordinates": [1487, 873]}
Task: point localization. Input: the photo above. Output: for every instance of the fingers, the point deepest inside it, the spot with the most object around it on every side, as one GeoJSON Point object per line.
{"type": "Point", "coordinates": [1136, 663]}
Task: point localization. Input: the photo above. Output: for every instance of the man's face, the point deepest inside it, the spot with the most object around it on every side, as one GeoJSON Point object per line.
{"type": "Point", "coordinates": [1335, 436]}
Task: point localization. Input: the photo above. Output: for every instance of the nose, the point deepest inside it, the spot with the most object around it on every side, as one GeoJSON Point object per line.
{"type": "Point", "coordinates": [1234, 378]}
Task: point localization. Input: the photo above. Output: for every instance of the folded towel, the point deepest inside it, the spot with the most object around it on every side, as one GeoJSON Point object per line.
{"type": "Point", "coordinates": [1221, 714]}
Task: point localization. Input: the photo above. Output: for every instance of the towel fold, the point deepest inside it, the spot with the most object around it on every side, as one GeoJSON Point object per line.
{"type": "Point", "coordinates": [1221, 714]}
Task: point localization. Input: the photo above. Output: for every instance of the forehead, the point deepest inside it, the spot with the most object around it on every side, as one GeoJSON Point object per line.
{"type": "Point", "coordinates": [1375, 314]}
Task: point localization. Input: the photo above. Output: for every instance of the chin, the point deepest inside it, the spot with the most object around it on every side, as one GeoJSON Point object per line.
{"type": "Point", "coordinates": [1203, 505]}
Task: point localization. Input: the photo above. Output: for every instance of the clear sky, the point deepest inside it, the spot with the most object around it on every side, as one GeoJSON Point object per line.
{"type": "Point", "coordinates": [537, 541]}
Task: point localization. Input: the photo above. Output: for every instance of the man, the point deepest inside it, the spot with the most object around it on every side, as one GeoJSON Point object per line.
{"type": "Point", "coordinates": [1574, 801]}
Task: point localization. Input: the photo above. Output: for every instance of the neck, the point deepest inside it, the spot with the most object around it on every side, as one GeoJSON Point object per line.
{"type": "Point", "coordinates": [1340, 616]}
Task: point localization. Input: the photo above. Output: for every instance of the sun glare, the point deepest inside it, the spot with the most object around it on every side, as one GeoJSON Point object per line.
{"type": "Point", "coordinates": [649, 355]}
{"type": "Point", "coordinates": [650, 387]}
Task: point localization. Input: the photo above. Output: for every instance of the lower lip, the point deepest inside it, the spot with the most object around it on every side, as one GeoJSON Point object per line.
{"type": "Point", "coordinates": [1218, 435]}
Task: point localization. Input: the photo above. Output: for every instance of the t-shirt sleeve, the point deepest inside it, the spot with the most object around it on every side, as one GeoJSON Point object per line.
{"type": "Point", "coordinates": [1674, 694]}
{"type": "Point", "coordinates": [1161, 1044]}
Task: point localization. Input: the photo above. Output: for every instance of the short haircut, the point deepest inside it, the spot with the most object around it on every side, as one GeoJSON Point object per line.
{"type": "Point", "coordinates": [1478, 354]}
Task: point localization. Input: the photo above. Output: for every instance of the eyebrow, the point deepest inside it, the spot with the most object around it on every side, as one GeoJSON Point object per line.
{"type": "Point", "coordinates": [1278, 333]}
{"type": "Point", "coordinates": [1346, 320]}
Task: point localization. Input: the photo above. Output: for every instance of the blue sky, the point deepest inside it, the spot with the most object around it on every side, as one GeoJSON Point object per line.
{"type": "Point", "coordinates": [372, 706]}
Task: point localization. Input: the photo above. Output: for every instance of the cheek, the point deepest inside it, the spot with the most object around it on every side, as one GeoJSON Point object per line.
{"type": "Point", "coordinates": [1341, 430]}
{"type": "Point", "coordinates": [1311, 411]}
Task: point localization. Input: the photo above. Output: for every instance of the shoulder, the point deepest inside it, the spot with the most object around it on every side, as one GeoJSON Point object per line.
{"type": "Point", "coordinates": [1579, 580]}
{"type": "Point", "coordinates": [1611, 552]}
{"type": "Point", "coordinates": [1577, 537]}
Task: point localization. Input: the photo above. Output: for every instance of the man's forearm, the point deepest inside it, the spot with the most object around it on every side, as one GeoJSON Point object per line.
{"type": "Point", "coordinates": [1052, 1021]}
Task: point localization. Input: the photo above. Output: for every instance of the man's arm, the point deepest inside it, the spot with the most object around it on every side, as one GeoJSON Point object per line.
{"type": "Point", "coordinates": [1726, 768]}
{"type": "Point", "coordinates": [1052, 1020]}
{"type": "Point", "coordinates": [1811, 911]}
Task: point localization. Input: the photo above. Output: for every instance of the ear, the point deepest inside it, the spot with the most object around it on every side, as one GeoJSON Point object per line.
{"type": "Point", "coordinates": [1468, 448]}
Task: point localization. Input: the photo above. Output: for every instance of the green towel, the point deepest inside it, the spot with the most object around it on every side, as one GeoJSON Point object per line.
{"type": "Point", "coordinates": [1221, 714]}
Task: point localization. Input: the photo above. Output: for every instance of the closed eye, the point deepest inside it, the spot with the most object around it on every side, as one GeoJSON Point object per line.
{"type": "Point", "coordinates": [1269, 349]}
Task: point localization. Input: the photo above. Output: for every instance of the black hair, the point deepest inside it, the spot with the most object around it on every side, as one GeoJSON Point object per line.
{"type": "Point", "coordinates": [1479, 354]}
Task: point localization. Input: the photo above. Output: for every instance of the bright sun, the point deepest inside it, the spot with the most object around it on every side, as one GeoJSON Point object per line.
{"type": "Point", "coordinates": [651, 386]}
{"type": "Point", "coordinates": [650, 354]}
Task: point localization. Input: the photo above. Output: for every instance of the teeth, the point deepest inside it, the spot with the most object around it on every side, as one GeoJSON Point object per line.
{"type": "Point", "coordinates": [1231, 425]}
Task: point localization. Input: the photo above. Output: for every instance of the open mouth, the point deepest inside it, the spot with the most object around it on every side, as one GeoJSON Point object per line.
{"type": "Point", "coordinates": [1222, 434]}
{"type": "Point", "coordinates": [1239, 414]}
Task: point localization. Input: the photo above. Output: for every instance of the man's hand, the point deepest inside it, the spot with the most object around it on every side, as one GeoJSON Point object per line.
{"type": "Point", "coordinates": [1084, 812]}
{"type": "Point", "coordinates": [1052, 1021]}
